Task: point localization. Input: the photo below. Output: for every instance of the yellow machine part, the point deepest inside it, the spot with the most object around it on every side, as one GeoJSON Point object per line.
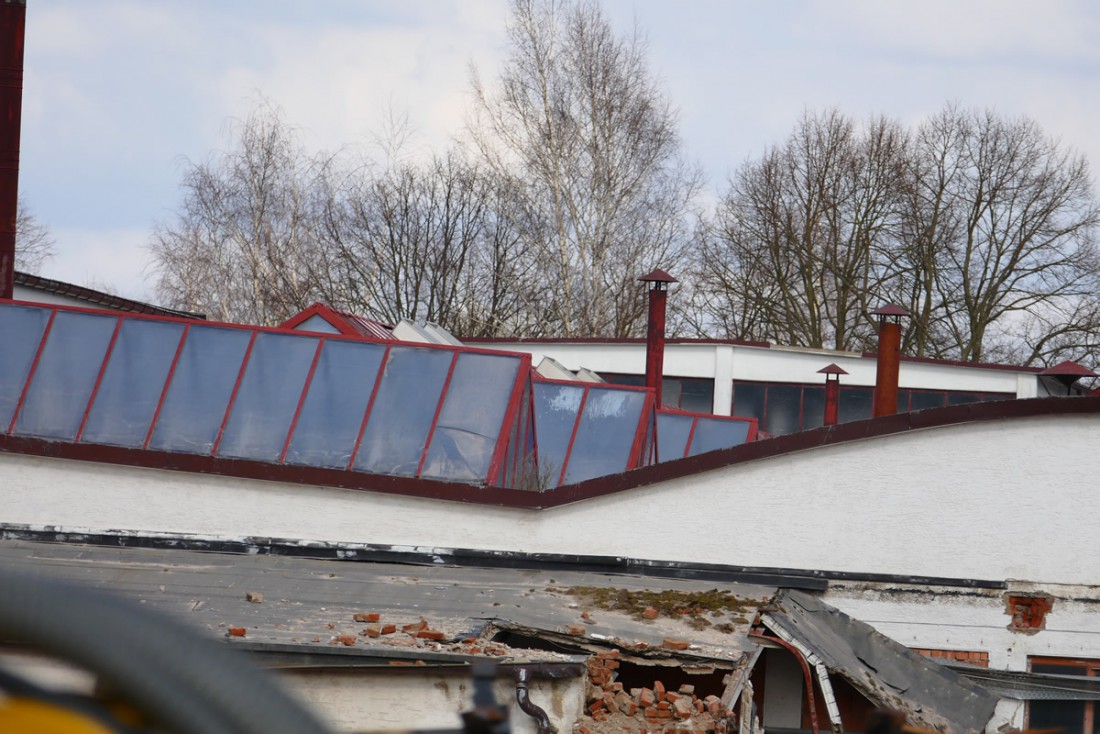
{"type": "Point", "coordinates": [28, 716]}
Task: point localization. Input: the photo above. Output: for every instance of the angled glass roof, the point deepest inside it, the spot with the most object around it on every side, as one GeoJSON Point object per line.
{"type": "Point", "coordinates": [681, 434]}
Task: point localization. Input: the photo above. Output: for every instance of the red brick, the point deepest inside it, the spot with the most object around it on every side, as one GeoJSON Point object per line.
{"type": "Point", "coordinates": [595, 706]}
{"type": "Point", "coordinates": [346, 640]}
{"type": "Point", "coordinates": [431, 635]}
{"type": "Point", "coordinates": [650, 613]}
{"type": "Point", "coordinates": [673, 643]}
{"type": "Point", "coordinates": [367, 617]}
{"type": "Point", "coordinates": [582, 729]}
{"type": "Point", "coordinates": [372, 631]}
{"type": "Point", "coordinates": [416, 626]}
{"type": "Point", "coordinates": [663, 705]}
{"type": "Point", "coordinates": [670, 696]}
{"type": "Point", "coordinates": [576, 630]}
{"type": "Point", "coordinates": [664, 714]}
{"type": "Point", "coordinates": [646, 698]}
{"type": "Point", "coordinates": [389, 629]}
{"type": "Point", "coordinates": [659, 690]}
{"type": "Point", "coordinates": [686, 689]}
{"type": "Point", "coordinates": [609, 702]}
{"type": "Point", "coordinates": [236, 632]}
{"type": "Point", "coordinates": [682, 708]}
{"type": "Point", "coordinates": [629, 709]}
{"type": "Point", "coordinates": [613, 687]}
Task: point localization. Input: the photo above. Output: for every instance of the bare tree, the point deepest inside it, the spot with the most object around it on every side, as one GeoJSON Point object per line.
{"type": "Point", "coordinates": [243, 241]}
{"type": "Point", "coordinates": [34, 244]}
{"type": "Point", "coordinates": [580, 132]}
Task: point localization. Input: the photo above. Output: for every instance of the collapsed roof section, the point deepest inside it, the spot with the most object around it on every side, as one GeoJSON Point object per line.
{"type": "Point", "coordinates": [343, 401]}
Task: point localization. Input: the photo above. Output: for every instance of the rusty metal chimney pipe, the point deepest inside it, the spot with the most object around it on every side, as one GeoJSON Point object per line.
{"type": "Point", "coordinates": [655, 330]}
{"type": "Point", "coordinates": [832, 392]}
{"type": "Point", "coordinates": [13, 20]}
{"type": "Point", "coordinates": [889, 359]}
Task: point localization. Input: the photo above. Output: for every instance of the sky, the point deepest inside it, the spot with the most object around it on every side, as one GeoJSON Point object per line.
{"type": "Point", "coordinates": [119, 95]}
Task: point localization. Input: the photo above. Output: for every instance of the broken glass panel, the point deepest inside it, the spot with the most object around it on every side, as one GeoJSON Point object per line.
{"type": "Point", "coordinates": [606, 433]}
{"type": "Point", "coordinates": [335, 404]}
{"type": "Point", "coordinates": [66, 374]}
{"type": "Point", "coordinates": [195, 405]}
{"type": "Point", "coordinates": [133, 383]}
{"type": "Point", "coordinates": [22, 328]}
{"type": "Point", "coordinates": [556, 408]}
{"type": "Point", "coordinates": [397, 430]}
{"type": "Point", "coordinates": [470, 422]}
{"type": "Point", "coordinates": [268, 396]}
{"type": "Point", "coordinates": [672, 435]}
{"type": "Point", "coordinates": [715, 433]}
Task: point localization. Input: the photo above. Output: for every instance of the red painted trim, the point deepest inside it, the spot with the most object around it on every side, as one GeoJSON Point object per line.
{"type": "Point", "coordinates": [633, 460]}
{"type": "Point", "coordinates": [167, 385]}
{"type": "Point", "coordinates": [530, 433]}
{"type": "Point", "coordinates": [573, 435]}
{"type": "Point", "coordinates": [32, 370]}
{"type": "Point", "coordinates": [435, 418]}
{"type": "Point", "coordinates": [1008, 410]}
{"type": "Point", "coordinates": [99, 379]}
{"type": "Point", "coordinates": [504, 436]}
{"type": "Point", "coordinates": [809, 680]}
{"type": "Point", "coordinates": [233, 395]}
{"type": "Point", "coordinates": [370, 406]}
{"type": "Point", "coordinates": [301, 400]}
{"type": "Point", "coordinates": [605, 340]}
{"type": "Point", "coordinates": [691, 436]}
{"type": "Point", "coordinates": [754, 426]}
{"type": "Point", "coordinates": [330, 317]}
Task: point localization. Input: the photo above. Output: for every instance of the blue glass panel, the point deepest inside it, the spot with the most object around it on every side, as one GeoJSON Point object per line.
{"type": "Point", "coordinates": [65, 375]}
{"type": "Point", "coordinates": [469, 424]}
{"type": "Point", "coordinates": [606, 433]}
{"type": "Point", "coordinates": [201, 385]}
{"type": "Point", "coordinates": [333, 411]}
{"type": "Point", "coordinates": [408, 397]}
{"type": "Point", "coordinates": [22, 328]}
{"type": "Point", "coordinates": [270, 390]}
{"type": "Point", "coordinates": [133, 382]}
{"type": "Point", "coordinates": [672, 435]}
{"type": "Point", "coordinates": [714, 433]}
{"type": "Point", "coordinates": [556, 409]}
{"type": "Point", "coordinates": [317, 323]}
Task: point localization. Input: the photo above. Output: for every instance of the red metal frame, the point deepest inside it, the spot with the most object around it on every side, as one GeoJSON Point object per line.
{"type": "Point", "coordinates": [233, 395]}
{"type": "Point", "coordinates": [649, 414]}
{"type": "Point", "coordinates": [99, 379]}
{"type": "Point", "coordinates": [435, 418]}
{"type": "Point", "coordinates": [690, 438]}
{"type": "Point", "coordinates": [31, 371]}
{"type": "Point", "coordinates": [504, 436]}
{"type": "Point", "coordinates": [301, 400]}
{"type": "Point", "coordinates": [167, 384]}
{"type": "Point", "coordinates": [370, 407]}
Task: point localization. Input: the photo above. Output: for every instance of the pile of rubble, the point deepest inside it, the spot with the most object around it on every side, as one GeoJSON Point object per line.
{"type": "Point", "coordinates": [647, 710]}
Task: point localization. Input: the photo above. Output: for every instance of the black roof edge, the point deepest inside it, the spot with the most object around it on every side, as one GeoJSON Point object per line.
{"type": "Point", "coordinates": [810, 580]}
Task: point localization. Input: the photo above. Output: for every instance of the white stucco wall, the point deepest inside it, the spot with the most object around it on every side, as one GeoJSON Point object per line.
{"type": "Point", "coordinates": [991, 500]}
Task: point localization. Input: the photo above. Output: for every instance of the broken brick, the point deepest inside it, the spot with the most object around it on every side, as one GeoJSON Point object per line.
{"type": "Point", "coordinates": [650, 613]}
{"type": "Point", "coordinates": [646, 698]}
{"type": "Point", "coordinates": [254, 596]}
{"type": "Point", "coordinates": [576, 630]}
{"type": "Point", "coordinates": [431, 635]}
{"type": "Point", "coordinates": [673, 643]}
{"type": "Point", "coordinates": [415, 626]}
{"type": "Point", "coordinates": [699, 706]}
{"type": "Point", "coordinates": [372, 630]}
{"type": "Point", "coordinates": [609, 701]}
{"type": "Point", "coordinates": [687, 689]}
{"type": "Point", "coordinates": [236, 632]}
{"type": "Point", "coordinates": [659, 690]}
{"type": "Point", "coordinates": [346, 640]}
{"type": "Point", "coordinates": [367, 617]}
{"type": "Point", "coordinates": [389, 629]}
{"type": "Point", "coordinates": [682, 708]}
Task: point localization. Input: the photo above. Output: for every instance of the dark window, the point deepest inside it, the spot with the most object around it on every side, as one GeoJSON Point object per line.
{"type": "Point", "coordinates": [748, 400]}
{"type": "Point", "coordinates": [855, 403]}
{"type": "Point", "coordinates": [922, 399]}
{"type": "Point", "coordinates": [784, 408]}
{"type": "Point", "coordinates": [813, 407]}
{"type": "Point", "coordinates": [1071, 717]}
{"type": "Point", "coordinates": [693, 394]}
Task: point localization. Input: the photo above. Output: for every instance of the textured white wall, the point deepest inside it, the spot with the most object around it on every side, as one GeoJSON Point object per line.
{"type": "Point", "coordinates": [994, 500]}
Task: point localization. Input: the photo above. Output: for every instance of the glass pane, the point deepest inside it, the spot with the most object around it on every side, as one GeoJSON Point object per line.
{"type": "Point", "coordinates": [714, 433]}
{"type": "Point", "coordinates": [606, 433]}
{"type": "Point", "coordinates": [670, 392]}
{"type": "Point", "coordinates": [22, 328]}
{"type": "Point", "coordinates": [620, 379]}
{"type": "Point", "coordinates": [65, 375]}
{"type": "Point", "coordinates": [194, 407]}
{"type": "Point", "coordinates": [903, 401]}
{"type": "Point", "coordinates": [920, 400]}
{"type": "Point", "coordinates": [748, 400]}
{"type": "Point", "coordinates": [556, 409]}
{"type": "Point", "coordinates": [412, 384]}
{"type": "Point", "coordinates": [1065, 716]}
{"type": "Point", "coordinates": [337, 400]}
{"type": "Point", "coordinates": [317, 323]}
{"type": "Point", "coordinates": [672, 435]}
{"type": "Point", "coordinates": [269, 394]}
{"type": "Point", "coordinates": [855, 404]}
{"type": "Point", "coordinates": [813, 407]}
{"type": "Point", "coordinates": [697, 396]}
{"type": "Point", "coordinates": [470, 422]}
{"type": "Point", "coordinates": [784, 405]}
{"type": "Point", "coordinates": [960, 398]}
{"type": "Point", "coordinates": [133, 382]}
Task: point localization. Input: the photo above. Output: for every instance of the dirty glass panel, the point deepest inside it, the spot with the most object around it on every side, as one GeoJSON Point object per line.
{"type": "Point", "coordinates": [469, 424]}
{"type": "Point", "coordinates": [556, 408]}
{"type": "Point", "coordinates": [66, 374]}
{"type": "Point", "coordinates": [784, 405]}
{"type": "Point", "coordinates": [335, 404]}
{"type": "Point", "coordinates": [748, 400]}
{"type": "Point", "coordinates": [855, 404]}
{"type": "Point", "coordinates": [713, 433]}
{"type": "Point", "coordinates": [670, 392]}
{"type": "Point", "coordinates": [672, 435]}
{"type": "Point", "coordinates": [697, 396]}
{"type": "Point", "coordinates": [903, 401]}
{"type": "Point", "coordinates": [961, 398]}
{"type": "Point", "coordinates": [921, 400]}
{"type": "Point", "coordinates": [22, 328]}
{"type": "Point", "coordinates": [605, 434]}
{"type": "Point", "coordinates": [317, 323]}
{"type": "Point", "coordinates": [268, 396]}
{"type": "Point", "coordinates": [133, 382]}
{"type": "Point", "coordinates": [813, 407]}
{"type": "Point", "coordinates": [201, 385]}
{"type": "Point", "coordinates": [412, 385]}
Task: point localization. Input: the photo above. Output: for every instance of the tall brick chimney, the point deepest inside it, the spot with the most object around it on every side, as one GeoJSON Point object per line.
{"type": "Point", "coordinates": [13, 18]}
{"type": "Point", "coordinates": [655, 330]}
{"type": "Point", "coordinates": [889, 358]}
